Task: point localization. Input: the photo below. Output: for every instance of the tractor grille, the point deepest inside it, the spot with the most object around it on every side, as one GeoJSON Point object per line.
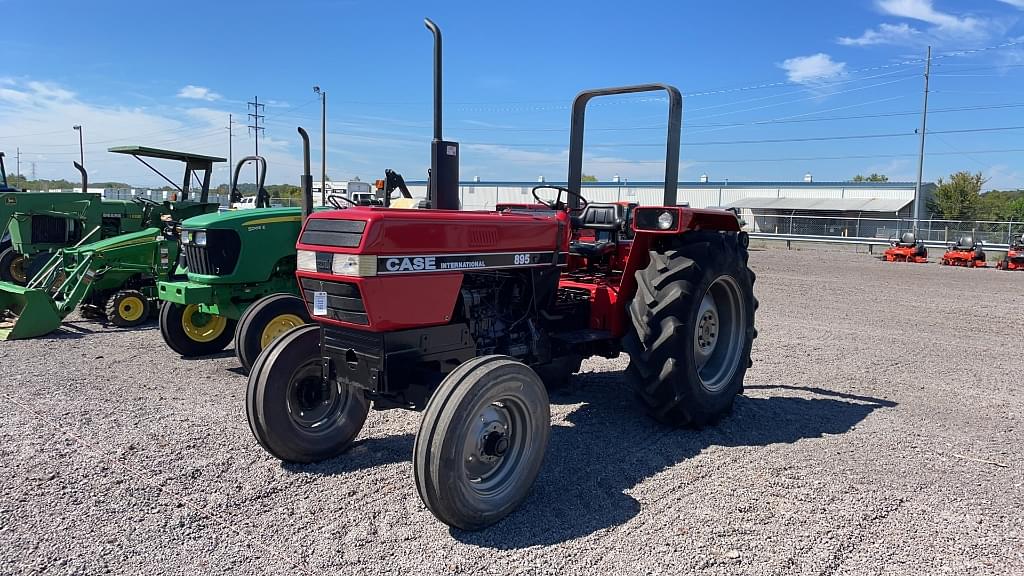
{"type": "Point", "coordinates": [344, 302]}
{"type": "Point", "coordinates": [53, 230]}
{"type": "Point", "coordinates": [218, 258]}
{"type": "Point", "coordinates": [339, 233]}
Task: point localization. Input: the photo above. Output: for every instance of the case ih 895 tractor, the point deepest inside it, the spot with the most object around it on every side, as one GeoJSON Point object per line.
{"type": "Point", "coordinates": [465, 315]}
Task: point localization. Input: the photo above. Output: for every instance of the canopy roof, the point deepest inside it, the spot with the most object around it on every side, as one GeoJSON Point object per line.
{"type": "Point", "coordinates": [831, 204]}
{"type": "Point", "coordinates": [148, 152]}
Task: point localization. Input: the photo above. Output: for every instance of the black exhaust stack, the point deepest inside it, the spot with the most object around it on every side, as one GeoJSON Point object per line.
{"type": "Point", "coordinates": [85, 177]}
{"type": "Point", "coordinates": [443, 190]}
{"type": "Point", "coordinates": [306, 180]}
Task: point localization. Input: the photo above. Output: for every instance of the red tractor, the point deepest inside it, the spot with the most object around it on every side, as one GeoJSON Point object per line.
{"type": "Point", "coordinates": [1014, 259]}
{"type": "Point", "coordinates": [966, 251]}
{"type": "Point", "coordinates": [468, 315]}
{"type": "Point", "coordinates": [907, 249]}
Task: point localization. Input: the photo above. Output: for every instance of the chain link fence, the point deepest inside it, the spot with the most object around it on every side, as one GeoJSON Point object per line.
{"type": "Point", "coordinates": [773, 222]}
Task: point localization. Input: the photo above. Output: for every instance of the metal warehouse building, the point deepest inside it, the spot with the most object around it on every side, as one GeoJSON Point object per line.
{"type": "Point", "coordinates": [763, 201]}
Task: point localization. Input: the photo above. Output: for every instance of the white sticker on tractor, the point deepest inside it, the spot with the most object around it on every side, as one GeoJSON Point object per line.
{"type": "Point", "coordinates": [319, 303]}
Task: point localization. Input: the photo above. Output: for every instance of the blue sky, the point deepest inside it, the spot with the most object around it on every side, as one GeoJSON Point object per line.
{"type": "Point", "coordinates": [772, 89]}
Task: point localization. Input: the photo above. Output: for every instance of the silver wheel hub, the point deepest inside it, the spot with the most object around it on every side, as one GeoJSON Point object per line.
{"type": "Point", "coordinates": [489, 442]}
{"type": "Point", "coordinates": [719, 333]}
{"type": "Point", "coordinates": [707, 328]}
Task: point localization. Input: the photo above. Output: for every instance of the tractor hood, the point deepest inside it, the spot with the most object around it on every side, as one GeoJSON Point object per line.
{"type": "Point", "coordinates": [122, 241]}
{"type": "Point", "coordinates": [243, 218]}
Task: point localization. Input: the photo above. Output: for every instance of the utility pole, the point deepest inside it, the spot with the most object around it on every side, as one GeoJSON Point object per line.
{"type": "Point", "coordinates": [924, 127]}
{"type": "Point", "coordinates": [254, 128]}
{"type": "Point", "coordinates": [231, 143]}
{"type": "Point", "coordinates": [19, 160]}
{"type": "Point", "coordinates": [323, 143]}
{"type": "Point", "coordinates": [33, 170]}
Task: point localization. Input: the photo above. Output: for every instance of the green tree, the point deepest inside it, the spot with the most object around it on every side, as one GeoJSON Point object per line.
{"type": "Point", "coordinates": [589, 178]}
{"type": "Point", "coordinates": [873, 177]}
{"type": "Point", "coordinates": [958, 198]}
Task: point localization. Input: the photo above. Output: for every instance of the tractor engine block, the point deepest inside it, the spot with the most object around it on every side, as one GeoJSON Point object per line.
{"type": "Point", "coordinates": [498, 308]}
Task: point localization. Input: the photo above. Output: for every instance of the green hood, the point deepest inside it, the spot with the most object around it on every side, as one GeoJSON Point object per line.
{"type": "Point", "coordinates": [236, 219]}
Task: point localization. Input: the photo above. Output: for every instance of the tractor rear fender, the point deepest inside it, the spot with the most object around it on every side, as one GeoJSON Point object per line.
{"type": "Point", "coordinates": [654, 220]}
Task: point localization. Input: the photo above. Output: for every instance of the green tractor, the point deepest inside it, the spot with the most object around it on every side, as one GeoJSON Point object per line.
{"type": "Point", "coordinates": [114, 278]}
{"type": "Point", "coordinates": [236, 278]}
{"type": "Point", "coordinates": [36, 225]}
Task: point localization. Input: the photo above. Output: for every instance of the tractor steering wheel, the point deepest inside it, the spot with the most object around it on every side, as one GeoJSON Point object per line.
{"type": "Point", "coordinates": [333, 199]}
{"type": "Point", "coordinates": [147, 207]}
{"type": "Point", "coordinates": [557, 203]}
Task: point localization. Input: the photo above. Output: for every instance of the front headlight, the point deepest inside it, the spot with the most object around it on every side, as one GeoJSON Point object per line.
{"type": "Point", "coordinates": [354, 265]}
{"type": "Point", "coordinates": [306, 260]}
{"type": "Point", "coordinates": [186, 236]}
{"type": "Point", "coordinates": [665, 220]}
{"type": "Point", "coordinates": [200, 238]}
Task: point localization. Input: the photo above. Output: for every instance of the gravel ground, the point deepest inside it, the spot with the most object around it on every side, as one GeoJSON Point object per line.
{"type": "Point", "coordinates": [880, 433]}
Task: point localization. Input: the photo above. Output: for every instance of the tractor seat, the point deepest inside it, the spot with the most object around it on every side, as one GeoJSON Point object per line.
{"type": "Point", "coordinates": [908, 239]}
{"type": "Point", "coordinates": [604, 220]}
{"type": "Point", "coordinates": [965, 243]}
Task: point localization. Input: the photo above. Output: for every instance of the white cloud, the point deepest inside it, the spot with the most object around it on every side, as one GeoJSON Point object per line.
{"type": "Point", "coordinates": [813, 68]}
{"type": "Point", "coordinates": [1014, 3]}
{"type": "Point", "coordinates": [885, 34]}
{"type": "Point", "coordinates": [37, 117]}
{"type": "Point", "coordinates": [198, 93]}
{"type": "Point", "coordinates": [924, 11]}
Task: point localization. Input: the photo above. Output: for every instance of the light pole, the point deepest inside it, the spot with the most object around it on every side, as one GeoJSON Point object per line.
{"type": "Point", "coordinates": [81, 149]}
{"type": "Point", "coordinates": [323, 143]}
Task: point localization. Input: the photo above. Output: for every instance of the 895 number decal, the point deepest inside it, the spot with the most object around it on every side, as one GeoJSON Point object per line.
{"type": "Point", "coordinates": [523, 259]}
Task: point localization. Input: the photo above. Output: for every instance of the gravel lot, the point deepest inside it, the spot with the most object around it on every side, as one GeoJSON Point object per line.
{"type": "Point", "coordinates": [880, 433]}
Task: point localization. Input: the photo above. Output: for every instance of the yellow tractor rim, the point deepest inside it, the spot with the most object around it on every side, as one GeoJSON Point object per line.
{"type": "Point", "coordinates": [131, 308]}
{"type": "Point", "coordinates": [277, 326]}
{"type": "Point", "coordinates": [202, 327]}
{"type": "Point", "coordinates": [17, 269]}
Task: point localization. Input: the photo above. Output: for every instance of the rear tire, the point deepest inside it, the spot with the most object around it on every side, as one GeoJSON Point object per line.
{"type": "Point", "coordinates": [12, 266]}
{"type": "Point", "coordinates": [127, 308]}
{"type": "Point", "coordinates": [481, 442]}
{"type": "Point", "coordinates": [185, 335]}
{"type": "Point", "coordinates": [291, 414]}
{"type": "Point", "coordinates": [692, 329]}
{"type": "Point", "coordinates": [264, 321]}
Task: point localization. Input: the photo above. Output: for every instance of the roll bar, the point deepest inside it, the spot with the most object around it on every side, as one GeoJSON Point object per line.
{"type": "Point", "coordinates": [675, 120]}
{"type": "Point", "coordinates": [262, 197]}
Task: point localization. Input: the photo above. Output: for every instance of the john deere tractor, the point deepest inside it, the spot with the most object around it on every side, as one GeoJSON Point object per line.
{"type": "Point", "coordinates": [236, 279]}
{"type": "Point", "coordinates": [38, 224]}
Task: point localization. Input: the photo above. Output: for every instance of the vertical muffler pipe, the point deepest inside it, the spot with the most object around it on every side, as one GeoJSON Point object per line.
{"type": "Point", "coordinates": [306, 180]}
{"type": "Point", "coordinates": [85, 177]}
{"type": "Point", "coordinates": [443, 190]}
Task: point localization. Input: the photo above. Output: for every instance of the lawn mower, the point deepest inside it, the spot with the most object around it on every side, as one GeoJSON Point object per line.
{"type": "Point", "coordinates": [37, 224]}
{"type": "Point", "coordinates": [964, 252]}
{"type": "Point", "coordinates": [1014, 259]}
{"type": "Point", "coordinates": [907, 249]}
{"type": "Point", "coordinates": [468, 315]}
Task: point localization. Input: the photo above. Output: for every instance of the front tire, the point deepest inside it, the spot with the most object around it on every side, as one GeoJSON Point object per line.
{"type": "Point", "coordinates": [291, 413]}
{"type": "Point", "coordinates": [126, 309]}
{"type": "Point", "coordinates": [692, 329]}
{"type": "Point", "coordinates": [264, 321]}
{"type": "Point", "coordinates": [191, 333]}
{"type": "Point", "coordinates": [481, 442]}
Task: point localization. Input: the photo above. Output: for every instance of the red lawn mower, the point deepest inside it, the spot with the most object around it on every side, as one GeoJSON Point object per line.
{"type": "Point", "coordinates": [966, 252]}
{"type": "Point", "coordinates": [1014, 259]}
{"type": "Point", "coordinates": [907, 249]}
{"type": "Point", "coordinates": [469, 315]}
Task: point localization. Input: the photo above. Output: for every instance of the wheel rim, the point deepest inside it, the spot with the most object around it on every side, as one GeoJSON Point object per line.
{"type": "Point", "coordinates": [311, 404]}
{"type": "Point", "coordinates": [277, 326]}
{"type": "Point", "coordinates": [496, 443]}
{"type": "Point", "coordinates": [17, 269]}
{"type": "Point", "coordinates": [200, 326]}
{"type": "Point", "coordinates": [131, 308]}
{"type": "Point", "coordinates": [719, 334]}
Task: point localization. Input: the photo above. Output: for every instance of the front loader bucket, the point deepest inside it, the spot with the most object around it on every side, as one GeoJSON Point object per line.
{"type": "Point", "coordinates": [26, 312]}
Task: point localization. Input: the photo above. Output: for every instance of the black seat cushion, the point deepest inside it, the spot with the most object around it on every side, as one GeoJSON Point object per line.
{"type": "Point", "coordinates": [605, 219]}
